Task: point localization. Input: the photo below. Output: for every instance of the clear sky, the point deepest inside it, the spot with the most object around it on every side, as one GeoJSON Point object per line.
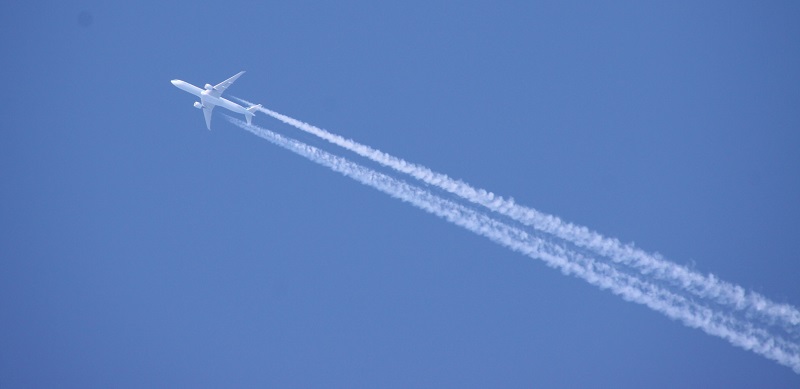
{"type": "Point", "coordinates": [138, 249]}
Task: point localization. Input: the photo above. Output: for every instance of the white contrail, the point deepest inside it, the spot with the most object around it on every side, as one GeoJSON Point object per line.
{"type": "Point", "coordinates": [710, 287]}
{"type": "Point", "coordinates": [603, 275]}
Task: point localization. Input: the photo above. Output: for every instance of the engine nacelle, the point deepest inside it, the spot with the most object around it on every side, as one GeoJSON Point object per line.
{"type": "Point", "coordinates": [198, 105]}
{"type": "Point", "coordinates": [209, 87]}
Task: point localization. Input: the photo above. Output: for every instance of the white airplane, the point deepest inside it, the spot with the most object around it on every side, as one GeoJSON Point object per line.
{"type": "Point", "coordinates": [211, 97]}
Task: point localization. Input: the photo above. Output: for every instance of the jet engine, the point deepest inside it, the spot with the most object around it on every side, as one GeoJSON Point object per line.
{"type": "Point", "coordinates": [209, 87]}
{"type": "Point", "coordinates": [198, 105]}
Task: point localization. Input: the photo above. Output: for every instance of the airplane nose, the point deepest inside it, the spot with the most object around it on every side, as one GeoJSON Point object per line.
{"type": "Point", "coordinates": [175, 82]}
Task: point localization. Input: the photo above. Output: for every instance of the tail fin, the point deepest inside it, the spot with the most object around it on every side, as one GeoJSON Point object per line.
{"type": "Point", "coordinates": [251, 112]}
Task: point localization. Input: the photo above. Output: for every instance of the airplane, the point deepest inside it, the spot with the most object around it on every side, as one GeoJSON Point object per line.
{"type": "Point", "coordinates": [211, 97]}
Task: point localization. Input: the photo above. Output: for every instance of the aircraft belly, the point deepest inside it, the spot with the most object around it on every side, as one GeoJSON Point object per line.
{"type": "Point", "coordinates": [230, 105]}
{"type": "Point", "coordinates": [190, 88]}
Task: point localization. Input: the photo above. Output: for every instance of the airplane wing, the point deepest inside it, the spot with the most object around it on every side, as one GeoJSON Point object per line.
{"type": "Point", "coordinates": [220, 88]}
{"type": "Point", "coordinates": [207, 109]}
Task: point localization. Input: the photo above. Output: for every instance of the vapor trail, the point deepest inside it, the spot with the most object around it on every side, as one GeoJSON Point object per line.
{"type": "Point", "coordinates": [603, 275]}
{"type": "Point", "coordinates": [705, 286]}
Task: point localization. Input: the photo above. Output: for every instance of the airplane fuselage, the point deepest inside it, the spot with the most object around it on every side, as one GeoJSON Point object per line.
{"type": "Point", "coordinates": [206, 97]}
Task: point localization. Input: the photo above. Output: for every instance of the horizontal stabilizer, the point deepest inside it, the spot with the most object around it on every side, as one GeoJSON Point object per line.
{"type": "Point", "coordinates": [251, 112]}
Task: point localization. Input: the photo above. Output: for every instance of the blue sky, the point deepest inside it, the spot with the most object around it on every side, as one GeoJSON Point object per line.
{"type": "Point", "coordinates": [139, 249]}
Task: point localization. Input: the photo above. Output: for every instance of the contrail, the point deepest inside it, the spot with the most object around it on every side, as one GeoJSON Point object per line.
{"type": "Point", "coordinates": [603, 275]}
{"type": "Point", "coordinates": [708, 287]}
